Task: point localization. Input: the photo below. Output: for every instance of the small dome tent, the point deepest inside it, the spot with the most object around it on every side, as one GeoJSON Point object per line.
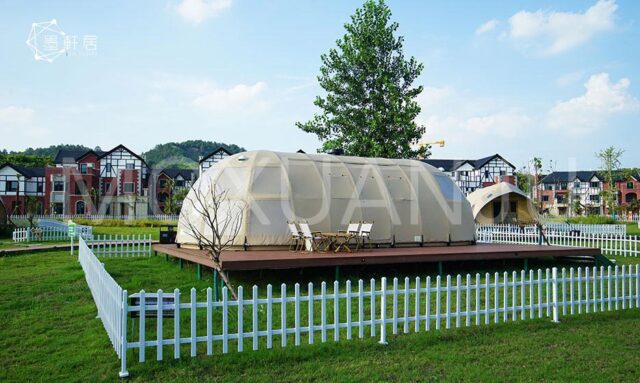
{"type": "Point", "coordinates": [408, 201]}
{"type": "Point", "coordinates": [502, 203]}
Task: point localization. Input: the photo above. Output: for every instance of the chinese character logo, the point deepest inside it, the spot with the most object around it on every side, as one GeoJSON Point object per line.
{"type": "Point", "coordinates": [47, 41]}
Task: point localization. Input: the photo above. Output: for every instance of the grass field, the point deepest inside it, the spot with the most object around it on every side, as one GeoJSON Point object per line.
{"type": "Point", "coordinates": [49, 333]}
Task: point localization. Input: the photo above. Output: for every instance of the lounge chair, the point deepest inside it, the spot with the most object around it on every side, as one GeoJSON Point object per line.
{"type": "Point", "coordinates": [296, 240]}
{"type": "Point", "coordinates": [364, 235]}
{"type": "Point", "coordinates": [315, 238]}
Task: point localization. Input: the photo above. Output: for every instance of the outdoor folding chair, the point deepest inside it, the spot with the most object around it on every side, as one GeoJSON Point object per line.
{"type": "Point", "coordinates": [364, 235]}
{"type": "Point", "coordinates": [315, 239]}
{"type": "Point", "coordinates": [352, 233]}
{"type": "Point", "coordinates": [296, 241]}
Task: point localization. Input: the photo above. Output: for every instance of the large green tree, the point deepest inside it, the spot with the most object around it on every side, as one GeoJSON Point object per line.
{"type": "Point", "coordinates": [370, 107]}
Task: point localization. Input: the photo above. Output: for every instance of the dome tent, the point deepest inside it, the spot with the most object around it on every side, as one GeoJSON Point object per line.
{"type": "Point", "coordinates": [408, 201]}
{"type": "Point", "coordinates": [502, 203]}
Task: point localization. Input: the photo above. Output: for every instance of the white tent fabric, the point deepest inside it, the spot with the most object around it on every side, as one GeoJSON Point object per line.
{"type": "Point", "coordinates": [408, 201]}
{"type": "Point", "coordinates": [481, 203]}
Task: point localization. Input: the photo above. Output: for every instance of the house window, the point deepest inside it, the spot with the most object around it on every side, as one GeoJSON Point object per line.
{"type": "Point", "coordinates": [576, 184]}
{"type": "Point", "coordinates": [595, 184]}
{"type": "Point", "coordinates": [83, 168]}
{"type": "Point", "coordinates": [80, 207]}
{"type": "Point", "coordinates": [548, 187]}
{"type": "Point", "coordinates": [503, 172]}
{"type": "Point", "coordinates": [131, 165]}
{"type": "Point", "coordinates": [58, 186]}
{"type": "Point", "coordinates": [108, 169]}
{"type": "Point", "coordinates": [163, 183]}
{"type": "Point", "coordinates": [545, 198]}
{"type": "Point", "coordinates": [11, 186]}
{"type": "Point", "coordinates": [128, 187]}
{"type": "Point", "coordinates": [180, 183]}
{"type": "Point", "coordinates": [107, 188]}
{"type": "Point", "coordinates": [58, 208]}
{"type": "Point", "coordinates": [629, 185]}
{"type": "Point", "coordinates": [594, 198]}
{"type": "Point", "coordinates": [563, 186]}
{"type": "Point", "coordinates": [39, 187]}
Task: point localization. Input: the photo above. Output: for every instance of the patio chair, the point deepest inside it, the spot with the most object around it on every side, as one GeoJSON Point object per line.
{"type": "Point", "coordinates": [296, 241]}
{"type": "Point", "coordinates": [314, 237]}
{"type": "Point", "coordinates": [364, 235]}
{"type": "Point", "coordinates": [352, 230]}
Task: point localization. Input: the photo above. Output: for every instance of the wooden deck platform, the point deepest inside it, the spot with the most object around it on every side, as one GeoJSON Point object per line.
{"type": "Point", "coordinates": [282, 259]}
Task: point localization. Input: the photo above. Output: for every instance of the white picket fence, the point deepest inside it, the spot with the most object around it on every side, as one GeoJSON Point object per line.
{"type": "Point", "coordinates": [85, 231]}
{"type": "Point", "coordinates": [107, 295]}
{"type": "Point", "coordinates": [586, 228]}
{"type": "Point", "coordinates": [49, 231]}
{"type": "Point", "coordinates": [609, 244]}
{"type": "Point", "coordinates": [166, 322]}
{"type": "Point", "coordinates": [158, 217]}
{"type": "Point", "coordinates": [38, 234]}
{"type": "Point", "coordinates": [120, 245]}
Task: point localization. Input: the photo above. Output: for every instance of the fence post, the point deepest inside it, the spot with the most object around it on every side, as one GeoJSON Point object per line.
{"type": "Point", "coordinates": [123, 337]}
{"type": "Point", "coordinates": [383, 311]}
{"type": "Point", "coordinates": [554, 292]}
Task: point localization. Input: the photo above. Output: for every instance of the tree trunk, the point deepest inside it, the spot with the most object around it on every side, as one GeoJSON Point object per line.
{"type": "Point", "coordinates": [225, 277]}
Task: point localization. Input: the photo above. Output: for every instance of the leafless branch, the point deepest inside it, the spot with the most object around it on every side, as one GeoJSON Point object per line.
{"type": "Point", "coordinates": [222, 218]}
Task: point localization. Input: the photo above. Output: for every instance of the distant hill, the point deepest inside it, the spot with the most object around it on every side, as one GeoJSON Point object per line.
{"type": "Point", "coordinates": [52, 150]}
{"type": "Point", "coordinates": [184, 154]}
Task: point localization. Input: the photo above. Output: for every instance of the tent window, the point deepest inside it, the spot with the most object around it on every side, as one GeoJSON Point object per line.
{"type": "Point", "coordinates": [448, 188]}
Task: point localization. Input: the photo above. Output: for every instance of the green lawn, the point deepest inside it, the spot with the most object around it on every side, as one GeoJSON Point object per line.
{"type": "Point", "coordinates": [6, 242]}
{"type": "Point", "coordinates": [633, 228]}
{"type": "Point", "coordinates": [127, 230]}
{"type": "Point", "coordinates": [48, 332]}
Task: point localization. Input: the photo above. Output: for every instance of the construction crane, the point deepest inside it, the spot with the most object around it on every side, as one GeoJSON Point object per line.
{"type": "Point", "coordinates": [421, 144]}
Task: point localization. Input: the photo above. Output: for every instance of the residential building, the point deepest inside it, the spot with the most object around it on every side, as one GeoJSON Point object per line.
{"type": "Point", "coordinates": [471, 175]}
{"type": "Point", "coordinates": [73, 183]}
{"type": "Point", "coordinates": [167, 182]}
{"type": "Point", "coordinates": [123, 183]}
{"type": "Point", "coordinates": [628, 190]}
{"type": "Point", "coordinates": [560, 192]}
{"type": "Point", "coordinates": [207, 161]}
{"type": "Point", "coordinates": [17, 183]}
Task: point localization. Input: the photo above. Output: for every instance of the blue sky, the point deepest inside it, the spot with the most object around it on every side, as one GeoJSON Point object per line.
{"type": "Point", "coordinates": [554, 79]}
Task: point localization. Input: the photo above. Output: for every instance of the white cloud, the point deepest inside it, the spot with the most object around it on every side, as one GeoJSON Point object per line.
{"type": "Point", "coordinates": [237, 97]}
{"type": "Point", "coordinates": [197, 11]}
{"type": "Point", "coordinates": [569, 78]}
{"type": "Point", "coordinates": [432, 96]}
{"type": "Point", "coordinates": [556, 32]}
{"type": "Point", "coordinates": [487, 27]}
{"type": "Point", "coordinates": [590, 111]}
{"type": "Point", "coordinates": [204, 94]}
{"type": "Point", "coordinates": [503, 124]}
{"type": "Point", "coordinates": [16, 114]}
